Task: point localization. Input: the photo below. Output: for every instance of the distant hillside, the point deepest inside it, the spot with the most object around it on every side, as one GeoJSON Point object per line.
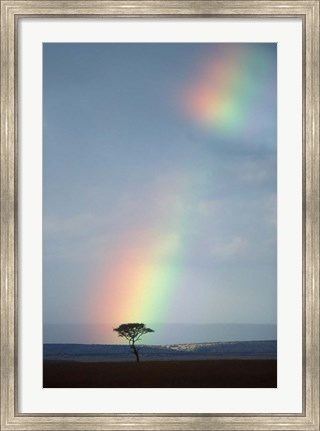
{"type": "Point", "coordinates": [109, 353]}
{"type": "Point", "coordinates": [165, 333]}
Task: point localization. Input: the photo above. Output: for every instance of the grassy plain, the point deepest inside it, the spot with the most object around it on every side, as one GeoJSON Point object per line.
{"type": "Point", "coordinates": [221, 373]}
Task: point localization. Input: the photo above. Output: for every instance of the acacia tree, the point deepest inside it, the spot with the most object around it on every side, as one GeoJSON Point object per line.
{"type": "Point", "coordinates": [133, 332]}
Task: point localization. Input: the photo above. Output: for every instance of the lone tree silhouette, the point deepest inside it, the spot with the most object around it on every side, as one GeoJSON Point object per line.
{"type": "Point", "coordinates": [133, 332]}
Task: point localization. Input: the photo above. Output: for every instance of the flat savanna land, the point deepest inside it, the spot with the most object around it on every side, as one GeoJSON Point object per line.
{"type": "Point", "coordinates": [221, 373]}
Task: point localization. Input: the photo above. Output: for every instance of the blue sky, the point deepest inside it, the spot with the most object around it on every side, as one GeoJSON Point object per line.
{"type": "Point", "coordinates": [124, 162]}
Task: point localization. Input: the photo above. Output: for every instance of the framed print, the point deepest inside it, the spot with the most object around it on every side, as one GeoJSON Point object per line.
{"type": "Point", "coordinates": [159, 215]}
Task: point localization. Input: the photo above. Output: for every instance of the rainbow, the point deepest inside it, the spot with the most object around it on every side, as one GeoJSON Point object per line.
{"type": "Point", "coordinates": [140, 278]}
{"type": "Point", "coordinates": [227, 89]}
{"type": "Point", "coordinates": [139, 282]}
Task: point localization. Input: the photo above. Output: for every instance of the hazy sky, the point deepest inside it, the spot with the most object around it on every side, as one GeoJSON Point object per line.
{"type": "Point", "coordinates": [159, 171]}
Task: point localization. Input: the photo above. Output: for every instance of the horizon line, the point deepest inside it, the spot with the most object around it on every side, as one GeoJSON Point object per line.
{"type": "Point", "coordinates": [160, 323]}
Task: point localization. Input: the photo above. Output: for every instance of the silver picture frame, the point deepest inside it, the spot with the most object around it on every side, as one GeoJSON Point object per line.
{"type": "Point", "coordinates": [11, 12]}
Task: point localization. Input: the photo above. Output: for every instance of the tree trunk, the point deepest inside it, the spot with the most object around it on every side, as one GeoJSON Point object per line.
{"type": "Point", "coordinates": [135, 351]}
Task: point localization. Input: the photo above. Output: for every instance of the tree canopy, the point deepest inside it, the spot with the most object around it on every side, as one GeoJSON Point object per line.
{"type": "Point", "coordinates": [133, 333]}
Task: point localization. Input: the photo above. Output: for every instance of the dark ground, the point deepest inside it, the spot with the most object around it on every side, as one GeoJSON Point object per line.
{"type": "Point", "coordinates": [221, 373]}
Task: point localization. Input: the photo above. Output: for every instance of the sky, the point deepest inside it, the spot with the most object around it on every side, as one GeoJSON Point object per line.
{"type": "Point", "coordinates": [159, 183]}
